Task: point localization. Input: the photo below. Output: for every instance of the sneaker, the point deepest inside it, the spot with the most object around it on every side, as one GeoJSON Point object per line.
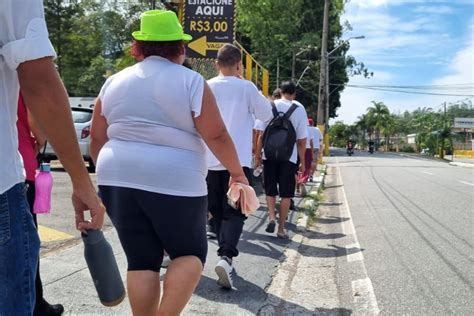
{"type": "Point", "coordinates": [211, 229]}
{"type": "Point", "coordinates": [224, 272]}
{"type": "Point", "coordinates": [166, 262]}
{"type": "Point", "coordinates": [46, 309]}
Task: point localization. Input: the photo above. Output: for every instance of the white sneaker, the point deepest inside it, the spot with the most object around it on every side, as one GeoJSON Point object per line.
{"type": "Point", "coordinates": [166, 262]}
{"type": "Point", "coordinates": [224, 272]}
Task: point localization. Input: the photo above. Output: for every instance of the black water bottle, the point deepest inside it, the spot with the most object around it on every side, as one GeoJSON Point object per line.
{"type": "Point", "coordinates": [103, 268]}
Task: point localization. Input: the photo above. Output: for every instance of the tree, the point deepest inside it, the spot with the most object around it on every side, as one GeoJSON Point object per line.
{"type": "Point", "coordinates": [289, 27]}
{"type": "Point", "coordinates": [377, 116]}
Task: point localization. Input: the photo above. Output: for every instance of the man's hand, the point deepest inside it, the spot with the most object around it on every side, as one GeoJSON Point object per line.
{"type": "Point", "coordinates": [302, 167]}
{"type": "Point", "coordinates": [258, 160]}
{"type": "Point", "coordinates": [239, 179]}
{"type": "Point", "coordinates": [86, 199]}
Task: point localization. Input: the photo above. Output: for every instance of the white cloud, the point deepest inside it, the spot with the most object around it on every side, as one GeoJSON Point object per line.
{"type": "Point", "coordinates": [434, 9]}
{"type": "Point", "coordinates": [393, 42]}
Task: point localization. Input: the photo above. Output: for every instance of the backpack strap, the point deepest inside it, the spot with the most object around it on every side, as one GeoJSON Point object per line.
{"type": "Point", "coordinates": [274, 109]}
{"type": "Point", "coordinates": [290, 111]}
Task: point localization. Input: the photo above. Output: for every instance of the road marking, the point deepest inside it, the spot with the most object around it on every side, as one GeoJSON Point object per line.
{"type": "Point", "coordinates": [364, 297]}
{"type": "Point", "coordinates": [465, 182]}
{"type": "Point", "coordinates": [365, 301]}
{"type": "Point", "coordinates": [426, 172]}
{"type": "Point", "coordinates": [354, 252]}
{"type": "Point", "coordinates": [48, 234]}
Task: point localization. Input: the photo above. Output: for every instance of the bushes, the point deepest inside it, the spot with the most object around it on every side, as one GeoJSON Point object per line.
{"type": "Point", "coordinates": [407, 149]}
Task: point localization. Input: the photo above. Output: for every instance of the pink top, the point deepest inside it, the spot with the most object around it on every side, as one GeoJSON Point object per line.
{"type": "Point", "coordinates": [26, 141]}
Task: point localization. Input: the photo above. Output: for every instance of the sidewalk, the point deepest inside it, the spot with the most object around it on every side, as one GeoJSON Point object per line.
{"type": "Point", "coordinates": [261, 268]}
{"type": "Point", "coordinates": [460, 162]}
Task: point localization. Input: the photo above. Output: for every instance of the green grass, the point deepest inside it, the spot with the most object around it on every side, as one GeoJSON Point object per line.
{"type": "Point", "coordinates": [310, 206]}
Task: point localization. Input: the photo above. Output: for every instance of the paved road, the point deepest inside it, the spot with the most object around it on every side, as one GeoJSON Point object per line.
{"type": "Point", "coordinates": [412, 251]}
{"type": "Point", "coordinates": [66, 279]}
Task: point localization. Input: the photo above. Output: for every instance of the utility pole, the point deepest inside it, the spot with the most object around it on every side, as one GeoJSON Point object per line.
{"type": "Point", "coordinates": [293, 64]}
{"type": "Point", "coordinates": [278, 73]}
{"type": "Point", "coordinates": [322, 96]}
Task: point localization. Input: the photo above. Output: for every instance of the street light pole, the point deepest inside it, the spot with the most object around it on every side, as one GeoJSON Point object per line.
{"type": "Point", "coordinates": [327, 76]}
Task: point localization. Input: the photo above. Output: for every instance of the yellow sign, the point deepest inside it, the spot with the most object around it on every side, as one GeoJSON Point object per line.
{"type": "Point", "coordinates": [201, 45]}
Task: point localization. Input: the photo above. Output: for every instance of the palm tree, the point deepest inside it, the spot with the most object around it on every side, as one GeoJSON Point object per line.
{"type": "Point", "coordinates": [377, 116]}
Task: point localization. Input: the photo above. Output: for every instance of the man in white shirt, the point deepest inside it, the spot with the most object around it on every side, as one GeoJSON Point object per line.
{"type": "Point", "coordinates": [240, 103]}
{"type": "Point", "coordinates": [26, 59]}
{"type": "Point", "coordinates": [279, 176]}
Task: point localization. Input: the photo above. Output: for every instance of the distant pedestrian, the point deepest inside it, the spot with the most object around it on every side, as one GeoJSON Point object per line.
{"type": "Point", "coordinates": [30, 141]}
{"type": "Point", "coordinates": [26, 59]}
{"type": "Point", "coordinates": [317, 137]}
{"type": "Point", "coordinates": [239, 101]}
{"type": "Point", "coordinates": [279, 176]}
{"type": "Point", "coordinates": [303, 177]}
{"type": "Point", "coordinates": [150, 125]}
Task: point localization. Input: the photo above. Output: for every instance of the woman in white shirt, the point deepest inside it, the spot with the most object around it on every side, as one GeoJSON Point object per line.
{"type": "Point", "coordinates": [150, 127]}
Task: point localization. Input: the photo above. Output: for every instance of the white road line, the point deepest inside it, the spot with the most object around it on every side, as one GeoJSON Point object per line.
{"type": "Point", "coordinates": [465, 182]}
{"type": "Point", "coordinates": [365, 301]}
{"type": "Point", "coordinates": [426, 172]}
{"type": "Point", "coordinates": [364, 297]}
{"type": "Point", "coordinates": [356, 254]}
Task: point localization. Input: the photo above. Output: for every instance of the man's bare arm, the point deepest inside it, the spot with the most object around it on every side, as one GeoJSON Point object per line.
{"type": "Point", "coordinates": [47, 100]}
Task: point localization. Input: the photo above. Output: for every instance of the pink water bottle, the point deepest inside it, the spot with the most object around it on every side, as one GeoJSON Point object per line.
{"type": "Point", "coordinates": [43, 188]}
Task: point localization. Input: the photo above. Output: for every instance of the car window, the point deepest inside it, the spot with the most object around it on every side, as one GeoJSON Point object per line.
{"type": "Point", "coordinates": [80, 116]}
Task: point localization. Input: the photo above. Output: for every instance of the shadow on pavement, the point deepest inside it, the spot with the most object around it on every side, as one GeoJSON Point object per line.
{"type": "Point", "coordinates": [332, 220]}
{"type": "Point", "coordinates": [251, 297]}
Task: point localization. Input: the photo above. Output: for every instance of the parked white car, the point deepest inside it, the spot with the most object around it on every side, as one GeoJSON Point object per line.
{"type": "Point", "coordinates": [81, 109]}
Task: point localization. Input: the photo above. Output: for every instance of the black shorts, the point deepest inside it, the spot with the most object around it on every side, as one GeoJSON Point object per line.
{"type": "Point", "coordinates": [148, 223]}
{"type": "Point", "coordinates": [279, 178]}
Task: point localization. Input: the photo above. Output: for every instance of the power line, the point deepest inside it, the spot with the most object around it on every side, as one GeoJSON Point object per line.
{"type": "Point", "coordinates": [408, 92]}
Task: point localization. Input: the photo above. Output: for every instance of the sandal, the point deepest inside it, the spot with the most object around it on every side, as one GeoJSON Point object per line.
{"type": "Point", "coordinates": [270, 227]}
{"type": "Point", "coordinates": [283, 236]}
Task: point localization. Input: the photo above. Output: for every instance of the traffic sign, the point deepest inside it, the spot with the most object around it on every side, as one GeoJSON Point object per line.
{"type": "Point", "coordinates": [211, 24]}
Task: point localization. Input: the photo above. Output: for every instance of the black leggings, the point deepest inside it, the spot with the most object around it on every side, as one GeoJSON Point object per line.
{"type": "Point", "coordinates": [148, 223]}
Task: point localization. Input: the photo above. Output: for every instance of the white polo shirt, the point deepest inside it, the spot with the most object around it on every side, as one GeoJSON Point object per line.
{"type": "Point", "coordinates": [23, 37]}
{"type": "Point", "coordinates": [240, 103]}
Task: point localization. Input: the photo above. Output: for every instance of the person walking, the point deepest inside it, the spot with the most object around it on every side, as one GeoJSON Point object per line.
{"type": "Point", "coordinates": [317, 137]}
{"type": "Point", "coordinates": [279, 176]}
{"type": "Point", "coordinates": [30, 141]}
{"type": "Point", "coordinates": [151, 124]}
{"type": "Point", "coordinates": [302, 178]}
{"type": "Point", "coordinates": [26, 59]}
{"type": "Point", "coordinates": [239, 103]}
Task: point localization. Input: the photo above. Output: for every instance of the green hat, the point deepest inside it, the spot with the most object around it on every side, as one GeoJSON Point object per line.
{"type": "Point", "coordinates": [160, 26]}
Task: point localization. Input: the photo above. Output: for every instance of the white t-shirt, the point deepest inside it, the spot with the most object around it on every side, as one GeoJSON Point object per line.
{"type": "Point", "coordinates": [153, 143]}
{"type": "Point", "coordinates": [317, 136]}
{"type": "Point", "coordinates": [310, 137]}
{"type": "Point", "coordinates": [259, 125]}
{"type": "Point", "coordinates": [299, 119]}
{"type": "Point", "coordinates": [240, 103]}
{"type": "Point", "coordinates": [23, 37]}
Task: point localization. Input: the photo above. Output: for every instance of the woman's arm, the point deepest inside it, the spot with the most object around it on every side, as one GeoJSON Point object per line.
{"type": "Point", "coordinates": [214, 133]}
{"type": "Point", "coordinates": [98, 131]}
{"type": "Point", "coordinates": [39, 136]}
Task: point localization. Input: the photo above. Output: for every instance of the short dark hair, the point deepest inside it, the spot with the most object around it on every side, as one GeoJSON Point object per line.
{"type": "Point", "coordinates": [288, 87]}
{"type": "Point", "coordinates": [276, 93]}
{"type": "Point", "coordinates": [229, 55]}
{"type": "Point", "coordinates": [167, 50]}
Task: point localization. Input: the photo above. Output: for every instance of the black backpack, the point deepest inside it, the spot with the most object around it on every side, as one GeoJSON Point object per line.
{"type": "Point", "coordinates": [279, 138]}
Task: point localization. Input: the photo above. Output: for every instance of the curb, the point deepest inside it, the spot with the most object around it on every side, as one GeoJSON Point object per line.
{"type": "Point", "coordinates": [462, 164]}
{"type": "Point", "coordinates": [281, 280]}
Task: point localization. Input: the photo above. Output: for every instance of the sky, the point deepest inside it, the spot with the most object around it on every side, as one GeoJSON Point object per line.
{"type": "Point", "coordinates": [409, 43]}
